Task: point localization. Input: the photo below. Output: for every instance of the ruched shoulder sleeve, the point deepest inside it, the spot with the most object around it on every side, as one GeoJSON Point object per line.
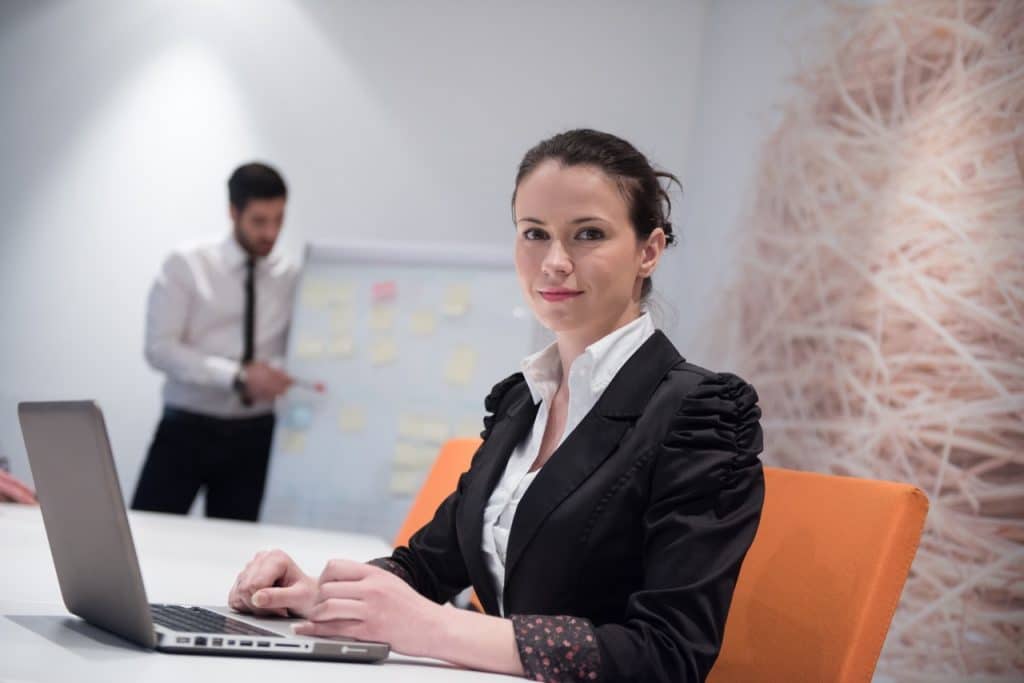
{"type": "Point", "coordinates": [707, 490]}
{"type": "Point", "coordinates": [721, 419]}
{"type": "Point", "coordinates": [493, 404]}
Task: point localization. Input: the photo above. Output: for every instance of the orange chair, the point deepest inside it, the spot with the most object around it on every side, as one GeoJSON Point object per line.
{"type": "Point", "coordinates": [451, 462]}
{"type": "Point", "coordinates": [442, 479]}
{"type": "Point", "coordinates": [819, 586]}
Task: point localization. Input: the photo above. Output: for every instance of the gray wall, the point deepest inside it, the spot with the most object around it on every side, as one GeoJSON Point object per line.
{"type": "Point", "coordinates": [750, 50]}
{"type": "Point", "coordinates": [399, 121]}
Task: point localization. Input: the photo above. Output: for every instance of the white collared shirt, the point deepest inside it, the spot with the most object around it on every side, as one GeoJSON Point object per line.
{"type": "Point", "coordinates": [195, 324]}
{"type": "Point", "coordinates": [589, 375]}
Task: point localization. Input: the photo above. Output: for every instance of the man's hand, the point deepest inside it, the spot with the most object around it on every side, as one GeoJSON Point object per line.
{"type": "Point", "coordinates": [13, 491]}
{"type": "Point", "coordinates": [272, 584]}
{"type": "Point", "coordinates": [264, 382]}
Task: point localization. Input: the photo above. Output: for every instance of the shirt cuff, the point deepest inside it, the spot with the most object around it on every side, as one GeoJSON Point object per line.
{"type": "Point", "coordinates": [387, 564]}
{"type": "Point", "coordinates": [222, 370]}
{"type": "Point", "coordinates": [556, 648]}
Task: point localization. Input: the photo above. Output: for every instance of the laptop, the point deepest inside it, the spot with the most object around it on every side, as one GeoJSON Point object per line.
{"type": "Point", "coordinates": [94, 555]}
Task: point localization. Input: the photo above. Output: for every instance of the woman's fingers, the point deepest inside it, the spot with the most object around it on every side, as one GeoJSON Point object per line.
{"type": "Point", "coordinates": [263, 571]}
{"type": "Point", "coordinates": [335, 609]}
{"type": "Point", "coordinates": [331, 629]}
{"type": "Point", "coordinates": [352, 590]}
{"type": "Point", "coordinates": [346, 570]}
{"type": "Point", "coordinates": [263, 588]}
{"type": "Point", "coordinates": [279, 601]}
{"type": "Point", "coordinates": [237, 598]}
{"type": "Point", "coordinates": [246, 576]}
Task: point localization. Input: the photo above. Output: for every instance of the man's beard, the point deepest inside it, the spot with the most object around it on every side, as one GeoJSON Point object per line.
{"type": "Point", "coordinates": [246, 245]}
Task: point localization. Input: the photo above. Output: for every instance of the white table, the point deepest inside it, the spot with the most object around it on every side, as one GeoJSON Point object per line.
{"type": "Point", "coordinates": [184, 560]}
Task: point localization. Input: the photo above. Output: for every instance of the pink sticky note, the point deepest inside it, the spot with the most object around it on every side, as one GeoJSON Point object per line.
{"type": "Point", "coordinates": [384, 291]}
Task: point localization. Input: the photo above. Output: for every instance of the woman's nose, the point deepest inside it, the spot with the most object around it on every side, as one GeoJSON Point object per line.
{"type": "Point", "coordinates": [556, 260]}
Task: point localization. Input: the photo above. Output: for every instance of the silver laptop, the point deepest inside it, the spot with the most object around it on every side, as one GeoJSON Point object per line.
{"type": "Point", "coordinates": [94, 554]}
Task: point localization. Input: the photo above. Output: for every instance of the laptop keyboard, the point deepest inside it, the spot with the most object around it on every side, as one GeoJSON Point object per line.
{"type": "Point", "coordinates": [199, 620]}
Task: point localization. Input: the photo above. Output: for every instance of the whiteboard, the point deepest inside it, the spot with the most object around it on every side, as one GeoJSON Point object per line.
{"type": "Point", "coordinates": [408, 341]}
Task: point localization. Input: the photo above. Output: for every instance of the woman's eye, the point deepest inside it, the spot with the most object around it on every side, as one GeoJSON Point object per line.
{"type": "Point", "coordinates": [534, 234]}
{"type": "Point", "coordinates": [590, 234]}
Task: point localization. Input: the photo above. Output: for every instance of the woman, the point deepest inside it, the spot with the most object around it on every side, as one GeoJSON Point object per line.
{"type": "Point", "coordinates": [604, 518]}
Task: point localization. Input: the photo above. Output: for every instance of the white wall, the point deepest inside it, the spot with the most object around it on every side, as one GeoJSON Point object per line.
{"type": "Point", "coordinates": [750, 51]}
{"type": "Point", "coordinates": [391, 120]}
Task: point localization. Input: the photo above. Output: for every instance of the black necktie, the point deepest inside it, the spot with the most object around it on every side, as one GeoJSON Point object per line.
{"type": "Point", "coordinates": [250, 309]}
{"type": "Point", "coordinates": [250, 317]}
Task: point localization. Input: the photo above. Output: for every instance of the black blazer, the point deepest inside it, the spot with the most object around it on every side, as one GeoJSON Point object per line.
{"type": "Point", "coordinates": [638, 522]}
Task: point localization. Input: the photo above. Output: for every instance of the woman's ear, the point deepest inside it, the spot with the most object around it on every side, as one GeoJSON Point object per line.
{"type": "Point", "coordinates": [651, 251]}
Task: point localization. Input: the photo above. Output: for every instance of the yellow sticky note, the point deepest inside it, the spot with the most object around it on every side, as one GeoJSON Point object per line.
{"type": "Point", "coordinates": [409, 426]}
{"type": "Point", "coordinates": [293, 441]}
{"type": "Point", "coordinates": [341, 346]}
{"type": "Point", "coordinates": [352, 418]}
{"type": "Point", "coordinates": [418, 428]}
{"type": "Point", "coordinates": [337, 295]}
{"type": "Point", "coordinates": [468, 426]}
{"type": "Point", "coordinates": [456, 300]}
{"type": "Point", "coordinates": [460, 366]}
{"type": "Point", "coordinates": [413, 456]}
{"type": "Point", "coordinates": [423, 323]}
{"type": "Point", "coordinates": [315, 294]}
{"type": "Point", "coordinates": [341, 320]}
{"type": "Point", "coordinates": [404, 482]}
{"type": "Point", "coordinates": [434, 431]}
{"type": "Point", "coordinates": [384, 351]}
{"type": "Point", "coordinates": [310, 348]}
{"type": "Point", "coordinates": [381, 318]}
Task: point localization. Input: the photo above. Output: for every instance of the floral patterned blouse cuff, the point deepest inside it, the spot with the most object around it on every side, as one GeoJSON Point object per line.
{"type": "Point", "coordinates": [556, 648]}
{"type": "Point", "coordinates": [387, 564]}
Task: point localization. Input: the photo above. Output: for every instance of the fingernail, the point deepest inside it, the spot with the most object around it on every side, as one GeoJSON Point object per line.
{"type": "Point", "coordinates": [259, 599]}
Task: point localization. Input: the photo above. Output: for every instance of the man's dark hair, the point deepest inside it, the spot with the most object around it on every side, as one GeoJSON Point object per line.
{"type": "Point", "coordinates": [254, 181]}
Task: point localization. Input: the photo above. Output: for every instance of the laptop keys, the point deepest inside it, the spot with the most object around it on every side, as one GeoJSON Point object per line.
{"type": "Point", "coordinates": [198, 620]}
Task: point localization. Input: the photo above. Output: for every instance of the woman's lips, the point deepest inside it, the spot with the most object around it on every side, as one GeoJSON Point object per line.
{"type": "Point", "coordinates": [559, 294]}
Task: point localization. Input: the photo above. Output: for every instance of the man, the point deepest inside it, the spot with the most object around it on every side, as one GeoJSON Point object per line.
{"type": "Point", "coordinates": [216, 325]}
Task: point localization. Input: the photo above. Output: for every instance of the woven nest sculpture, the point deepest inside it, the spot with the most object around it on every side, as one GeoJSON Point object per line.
{"type": "Point", "coordinates": [879, 308]}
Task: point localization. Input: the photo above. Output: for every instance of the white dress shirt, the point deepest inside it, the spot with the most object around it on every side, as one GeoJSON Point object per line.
{"type": "Point", "coordinates": [195, 324]}
{"type": "Point", "coordinates": [589, 375]}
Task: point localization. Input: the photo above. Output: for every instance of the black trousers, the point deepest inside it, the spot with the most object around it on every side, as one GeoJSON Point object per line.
{"type": "Point", "coordinates": [227, 456]}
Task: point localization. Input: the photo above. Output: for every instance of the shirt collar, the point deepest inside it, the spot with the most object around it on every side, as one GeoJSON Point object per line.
{"type": "Point", "coordinates": [593, 370]}
{"type": "Point", "coordinates": [542, 371]}
{"type": "Point", "coordinates": [235, 256]}
{"type": "Point", "coordinates": [232, 253]}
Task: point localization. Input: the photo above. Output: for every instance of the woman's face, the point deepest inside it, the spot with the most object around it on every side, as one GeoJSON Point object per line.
{"type": "Point", "coordinates": [578, 259]}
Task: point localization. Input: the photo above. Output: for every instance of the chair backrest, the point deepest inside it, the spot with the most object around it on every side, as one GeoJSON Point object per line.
{"type": "Point", "coordinates": [451, 462]}
{"type": "Point", "coordinates": [819, 586]}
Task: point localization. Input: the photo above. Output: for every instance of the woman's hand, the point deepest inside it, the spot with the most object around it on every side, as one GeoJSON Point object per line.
{"type": "Point", "coordinates": [273, 585]}
{"type": "Point", "coordinates": [357, 600]}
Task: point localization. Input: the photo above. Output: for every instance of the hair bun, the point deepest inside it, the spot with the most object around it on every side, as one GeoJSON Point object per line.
{"type": "Point", "coordinates": [670, 237]}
